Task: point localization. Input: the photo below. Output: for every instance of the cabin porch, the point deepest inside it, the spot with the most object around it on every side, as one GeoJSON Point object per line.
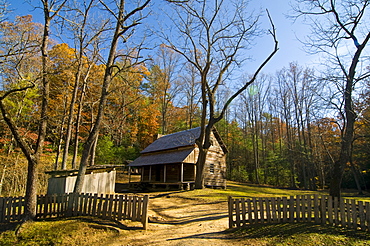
{"type": "Point", "coordinates": [180, 175]}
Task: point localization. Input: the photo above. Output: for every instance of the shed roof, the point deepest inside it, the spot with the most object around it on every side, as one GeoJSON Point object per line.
{"type": "Point", "coordinates": [174, 141]}
{"type": "Point", "coordinates": [172, 157]}
{"type": "Point", "coordinates": [172, 148]}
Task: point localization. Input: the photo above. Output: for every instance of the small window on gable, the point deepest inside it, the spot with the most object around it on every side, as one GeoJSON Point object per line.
{"type": "Point", "coordinates": [211, 168]}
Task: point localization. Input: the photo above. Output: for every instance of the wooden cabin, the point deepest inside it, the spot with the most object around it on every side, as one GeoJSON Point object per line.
{"type": "Point", "coordinates": [170, 161]}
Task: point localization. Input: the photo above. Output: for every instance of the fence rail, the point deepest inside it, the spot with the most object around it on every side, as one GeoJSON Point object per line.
{"type": "Point", "coordinates": [115, 207]}
{"type": "Point", "coordinates": [307, 208]}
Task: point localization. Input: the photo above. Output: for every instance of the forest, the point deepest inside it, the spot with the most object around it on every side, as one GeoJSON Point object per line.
{"type": "Point", "coordinates": [86, 87]}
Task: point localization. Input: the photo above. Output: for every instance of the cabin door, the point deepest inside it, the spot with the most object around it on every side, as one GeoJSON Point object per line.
{"type": "Point", "coordinates": [158, 172]}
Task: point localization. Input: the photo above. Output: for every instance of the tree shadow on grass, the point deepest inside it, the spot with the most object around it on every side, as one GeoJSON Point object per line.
{"type": "Point", "coordinates": [9, 226]}
{"type": "Point", "coordinates": [292, 229]}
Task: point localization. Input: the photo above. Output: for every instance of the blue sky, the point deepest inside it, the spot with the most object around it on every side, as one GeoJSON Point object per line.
{"type": "Point", "coordinates": [290, 49]}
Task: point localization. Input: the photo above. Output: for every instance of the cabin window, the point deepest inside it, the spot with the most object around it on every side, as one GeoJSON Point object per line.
{"type": "Point", "coordinates": [211, 168]}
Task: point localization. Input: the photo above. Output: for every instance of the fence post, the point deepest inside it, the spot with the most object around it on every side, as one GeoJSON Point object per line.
{"type": "Point", "coordinates": [367, 215]}
{"type": "Point", "coordinates": [316, 207]}
{"type": "Point", "coordinates": [144, 218]}
{"type": "Point", "coordinates": [230, 205]}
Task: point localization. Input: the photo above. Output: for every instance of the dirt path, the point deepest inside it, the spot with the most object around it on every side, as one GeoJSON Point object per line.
{"type": "Point", "coordinates": [176, 220]}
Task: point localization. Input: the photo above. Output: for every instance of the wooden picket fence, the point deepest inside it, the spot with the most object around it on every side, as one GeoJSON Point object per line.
{"type": "Point", "coordinates": [114, 207]}
{"type": "Point", "coordinates": [306, 208]}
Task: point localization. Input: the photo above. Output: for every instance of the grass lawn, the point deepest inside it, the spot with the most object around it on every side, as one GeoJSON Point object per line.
{"type": "Point", "coordinates": [236, 189]}
{"type": "Point", "coordinates": [301, 234]}
{"type": "Point", "coordinates": [70, 231]}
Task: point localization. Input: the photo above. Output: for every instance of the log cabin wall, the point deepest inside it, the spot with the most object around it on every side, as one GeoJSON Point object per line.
{"type": "Point", "coordinates": [215, 166]}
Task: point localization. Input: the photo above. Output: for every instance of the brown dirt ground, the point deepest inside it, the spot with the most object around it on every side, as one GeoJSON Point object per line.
{"type": "Point", "coordinates": [176, 220]}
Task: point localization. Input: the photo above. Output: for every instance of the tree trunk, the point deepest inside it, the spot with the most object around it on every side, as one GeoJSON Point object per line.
{"type": "Point", "coordinates": [31, 191]}
{"type": "Point", "coordinates": [199, 178]}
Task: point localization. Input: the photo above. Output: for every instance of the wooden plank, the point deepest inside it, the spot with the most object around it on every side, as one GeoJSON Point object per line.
{"type": "Point", "coordinates": [292, 209]}
{"type": "Point", "coordinates": [304, 208]}
{"type": "Point", "coordinates": [244, 212]}
{"type": "Point", "coordinates": [268, 209]}
{"type": "Point", "coordinates": [230, 205]}
{"type": "Point", "coordinates": [367, 216]}
{"type": "Point", "coordinates": [129, 207]}
{"type": "Point", "coordinates": [54, 204]}
{"type": "Point", "coordinates": [139, 208]}
{"type": "Point", "coordinates": [89, 204]}
{"type": "Point", "coordinates": [8, 209]}
{"type": "Point", "coordinates": [94, 205]}
{"type": "Point", "coordinates": [349, 213]}
{"type": "Point", "coordinates": [316, 208]}
{"type": "Point", "coordinates": [274, 209]}
{"type": "Point", "coordinates": [298, 208]}
{"type": "Point", "coordinates": [237, 212]}
{"type": "Point", "coordinates": [2, 209]}
{"type": "Point", "coordinates": [114, 207]}
{"type": "Point", "coordinates": [85, 201]}
{"type": "Point", "coordinates": [361, 215]}
{"type": "Point", "coordinates": [110, 207]}
{"type": "Point", "coordinates": [18, 209]}
{"type": "Point", "coordinates": [354, 214]}
{"type": "Point", "coordinates": [323, 209]}
{"type": "Point", "coordinates": [105, 207]}
{"type": "Point", "coordinates": [41, 207]}
{"type": "Point", "coordinates": [48, 206]}
{"type": "Point", "coordinates": [99, 208]}
{"type": "Point", "coordinates": [126, 207]}
{"type": "Point", "coordinates": [249, 210]}
{"type": "Point", "coordinates": [144, 218]}
{"type": "Point", "coordinates": [69, 205]}
{"type": "Point", "coordinates": [134, 207]}
{"type": "Point", "coordinates": [330, 209]}
{"type": "Point", "coordinates": [120, 207]}
{"type": "Point", "coordinates": [342, 212]}
{"type": "Point", "coordinates": [285, 209]}
{"type": "Point", "coordinates": [310, 209]}
{"type": "Point", "coordinates": [76, 204]}
{"type": "Point", "coordinates": [261, 210]}
{"type": "Point", "coordinates": [80, 204]}
{"type": "Point", "coordinates": [336, 211]}
{"type": "Point", "coordinates": [255, 210]}
{"type": "Point", "coordinates": [278, 209]}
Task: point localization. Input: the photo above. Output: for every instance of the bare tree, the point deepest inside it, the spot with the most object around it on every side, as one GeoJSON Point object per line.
{"type": "Point", "coordinates": [340, 31]}
{"type": "Point", "coordinates": [85, 32]}
{"type": "Point", "coordinates": [212, 37]}
{"type": "Point", "coordinates": [166, 84]}
{"type": "Point", "coordinates": [4, 9]}
{"type": "Point", "coordinates": [191, 89]}
{"type": "Point", "coordinates": [123, 30]}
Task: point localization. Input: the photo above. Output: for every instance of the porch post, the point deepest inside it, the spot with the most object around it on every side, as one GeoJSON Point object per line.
{"type": "Point", "coordinates": [195, 171]}
{"type": "Point", "coordinates": [150, 173]}
{"type": "Point", "coordinates": [129, 174]}
{"type": "Point", "coordinates": [142, 173]}
{"type": "Point", "coordinates": [164, 173]}
{"type": "Point", "coordinates": [182, 173]}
